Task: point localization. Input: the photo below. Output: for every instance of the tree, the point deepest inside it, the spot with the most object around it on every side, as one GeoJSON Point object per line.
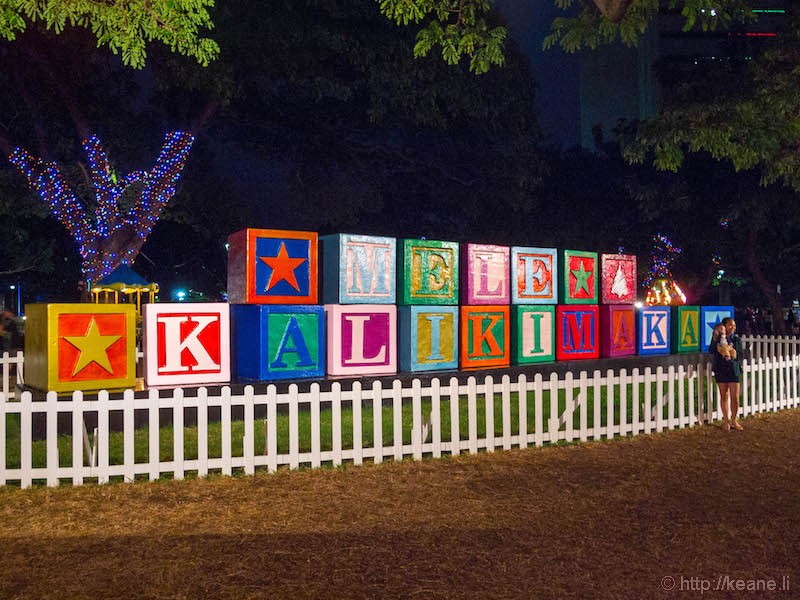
{"type": "Point", "coordinates": [124, 27]}
{"type": "Point", "coordinates": [470, 28]}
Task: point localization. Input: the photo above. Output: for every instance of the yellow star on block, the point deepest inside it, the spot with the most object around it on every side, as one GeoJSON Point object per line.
{"type": "Point", "coordinates": [93, 347]}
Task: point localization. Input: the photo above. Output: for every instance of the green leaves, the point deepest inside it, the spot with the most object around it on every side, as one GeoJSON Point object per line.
{"type": "Point", "coordinates": [124, 27]}
{"type": "Point", "coordinates": [459, 27]}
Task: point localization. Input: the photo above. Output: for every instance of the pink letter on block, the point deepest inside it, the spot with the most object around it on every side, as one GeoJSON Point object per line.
{"type": "Point", "coordinates": [485, 269]}
{"type": "Point", "coordinates": [187, 343]}
{"type": "Point", "coordinates": [362, 339]}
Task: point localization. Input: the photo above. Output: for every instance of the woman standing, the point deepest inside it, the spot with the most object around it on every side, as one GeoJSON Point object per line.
{"type": "Point", "coordinates": [726, 351]}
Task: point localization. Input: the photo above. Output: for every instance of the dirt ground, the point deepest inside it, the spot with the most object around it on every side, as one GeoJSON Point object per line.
{"type": "Point", "coordinates": [598, 520]}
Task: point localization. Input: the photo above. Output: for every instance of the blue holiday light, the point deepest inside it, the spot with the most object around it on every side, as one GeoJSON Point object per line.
{"type": "Point", "coordinates": [99, 235]}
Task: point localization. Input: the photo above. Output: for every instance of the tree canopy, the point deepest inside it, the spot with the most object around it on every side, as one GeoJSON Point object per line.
{"type": "Point", "coordinates": [471, 29]}
{"type": "Point", "coordinates": [124, 27]}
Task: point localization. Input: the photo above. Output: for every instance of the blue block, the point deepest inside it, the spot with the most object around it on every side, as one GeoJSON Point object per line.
{"type": "Point", "coordinates": [358, 269]}
{"type": "Point", "coordinates": [710, 317]}
{"type": "Point", "coordinates": [272, 342]}
{"type": "Point", "coordinates": [653, 330]}
{"type": "Point", "coordinates": [428, 338]}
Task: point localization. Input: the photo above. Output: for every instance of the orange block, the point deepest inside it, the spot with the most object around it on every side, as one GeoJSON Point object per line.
{"type": "Point", "coordinates": [72, 347]}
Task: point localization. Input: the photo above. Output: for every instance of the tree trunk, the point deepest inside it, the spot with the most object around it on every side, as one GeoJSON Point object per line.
{"type": "Point", "coordinates": [767, 287]}
{"type": "Point", "coordinates": [613, 10]}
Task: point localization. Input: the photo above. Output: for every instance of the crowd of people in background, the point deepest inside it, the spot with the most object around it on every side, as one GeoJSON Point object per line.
{"type": "Point", "coordinates": [757, 321]}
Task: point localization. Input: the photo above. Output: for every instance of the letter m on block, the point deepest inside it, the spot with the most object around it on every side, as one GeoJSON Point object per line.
{"type": "Point", "coordinates": [578, 332]}
{"type": "Point", "coordinates": [187, 343]}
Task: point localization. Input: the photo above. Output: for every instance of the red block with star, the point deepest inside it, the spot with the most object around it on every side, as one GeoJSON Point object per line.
{"type": "Point", "coordinates": [272, 266]}
{"type": "Point", "coordinates": [618, 278]}
{"type": "Point", "coordinates": [72, 347]}
{"type": "Point", "coordinates": [579, 277]}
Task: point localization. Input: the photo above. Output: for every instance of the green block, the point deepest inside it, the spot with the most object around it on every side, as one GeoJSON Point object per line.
{"type": "Point", "coordinates": [428, 273]}
{"type": "Point", "coordinates": [686, 330]}
{"type": "Point", "coordinates": [578, 271]}
{"type": "Point", "coordinates": [533, 334]}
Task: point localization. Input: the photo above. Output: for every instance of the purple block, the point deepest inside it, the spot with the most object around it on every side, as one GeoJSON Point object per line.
{"type": "Point", "coordinates": [617, 330]}
{"type": "Point", "coordinates": [362, 339]}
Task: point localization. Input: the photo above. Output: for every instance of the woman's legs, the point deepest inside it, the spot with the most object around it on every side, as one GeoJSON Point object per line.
{"type": "Point", "coordinates": [733, 391]}
{"type": "Point", "coordinates": [724, 389]}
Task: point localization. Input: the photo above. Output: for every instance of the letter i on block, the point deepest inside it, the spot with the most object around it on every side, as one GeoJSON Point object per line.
{"type": "Point", "coordinates": [187, 343]}
{"type": "Point", "coordinates": [654, 333]}
{"type": "Point", "coordinates": [72, 347]}
{"type": "Point", "coordinates": [534, 275]}
{"type": "Point", "coordinates": [618, 278]}
{"type": "Point", "coordinates": [579, 277]}
{"type": "Point", "coordinates": [358, 269]}
{"type": "Point", "coordinates": [271, 266]}
{"type": "Point", "coordinates": [485, 273]}
{"type": "Point", "coordinates": [617, 330]}
{"type": "Point", "coordinates": [428, 338]}
{"type": "Point", "coordinates": [534, 334]}
{"type": "Point", "coordinates": [577, 332]}
{"type": "Point", "coordinates": [485, 337]}
{"type": "Point", "coordinates": [362, 339]}
{"type": "Point", "coordinates": [686, 329]}
{"type": "Point", "coordinates": [428, 273]}
{"type": "Point", "coordinates": [710, 317]}
{"type": "Point", "coordinates": [278, 342]}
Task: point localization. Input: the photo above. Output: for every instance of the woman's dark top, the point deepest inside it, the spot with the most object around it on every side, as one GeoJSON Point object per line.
{"type": "Point", "coordinates": [727, 370]}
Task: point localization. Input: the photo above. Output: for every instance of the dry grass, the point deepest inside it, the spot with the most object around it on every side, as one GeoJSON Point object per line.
{"type": "Point", "coordinates": [598, 520]}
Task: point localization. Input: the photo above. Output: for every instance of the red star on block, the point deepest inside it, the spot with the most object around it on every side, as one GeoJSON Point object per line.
{"type": "Point", "coordinates": [283, 267]}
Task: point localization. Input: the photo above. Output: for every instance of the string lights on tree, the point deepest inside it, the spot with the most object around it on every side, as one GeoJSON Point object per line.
{"type": "Point", "coordinates": [662, 289]}
{"type": "Point", "coordinates": [112, 236]}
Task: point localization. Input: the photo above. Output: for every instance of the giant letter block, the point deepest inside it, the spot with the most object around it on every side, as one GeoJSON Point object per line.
{"type": "Point", "coordinates": [485, 337]}
{"type": "Point", "coordinates": [72, 347]}
{"type": "Point", "coordinates": [429, 273]}
{"type": "Point", "coordinates": [534, 276]}
{"type": "Point", "coordinates": [362, 339]}
{"type": "Point", "coordinates": [577, 332]}
{"type": "Point", "coordinates": [278, 342]}
{"type": "Point", "coordinates": [186, 343]}
{"type": "Point", "coordinates": [710, 317]}
{"type": "Point", "coordinates": [428, 338]}
{"type": "Point", "coordinates": [618, 280]}
{"type": "Point", "coordinates": [617, 330]}
{"type": "Point", "coordinates": [533, 334]}
{"type": "Point", "coordinates": [579, 277]}
{"type": "Point", "coordinates": [485, 270]}
{"type": "Point", "coordinates": [686, 329]}
{"type": "Point", "coordinates": [654, 333]}
{"type": "Point", "coordinates": [359, 269]}
{"type": "Point", "coordinates": [271, 266]}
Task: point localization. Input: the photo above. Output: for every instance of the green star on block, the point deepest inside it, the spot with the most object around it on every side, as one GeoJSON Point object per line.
{"type": "Point", "coordinates": [581, 279]}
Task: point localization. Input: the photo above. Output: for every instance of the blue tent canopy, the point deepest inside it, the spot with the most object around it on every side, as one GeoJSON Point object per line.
{"type": "Point", "coordinates": [123, 274]}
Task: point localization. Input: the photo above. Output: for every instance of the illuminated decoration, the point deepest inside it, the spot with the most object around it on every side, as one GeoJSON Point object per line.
{"type": "Point", "coordinates": [662, 289]}
{"type": "Point", "coordinates": [80, 346]}
{"type": "Point", "coordinates": [109, 237]}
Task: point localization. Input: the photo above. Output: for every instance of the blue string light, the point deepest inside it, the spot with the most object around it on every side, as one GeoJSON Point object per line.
{"type": "Point", "coordinates": [91, 231]}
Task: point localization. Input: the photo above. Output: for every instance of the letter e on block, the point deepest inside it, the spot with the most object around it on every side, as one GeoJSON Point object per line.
{"type": "Point", "coordinates": [187, 343]}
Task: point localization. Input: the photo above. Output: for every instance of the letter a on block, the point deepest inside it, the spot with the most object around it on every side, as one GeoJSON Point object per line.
{"type": "Point", "coordinates": [686, 329]}
{"type": "Point", "coordinates": [187, 343]}
{"type": "Point", "coordinates": [617, 330]}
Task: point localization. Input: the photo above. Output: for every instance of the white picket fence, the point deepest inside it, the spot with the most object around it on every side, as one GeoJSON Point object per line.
{"type": "Point", "coordinates": [589, 406]}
